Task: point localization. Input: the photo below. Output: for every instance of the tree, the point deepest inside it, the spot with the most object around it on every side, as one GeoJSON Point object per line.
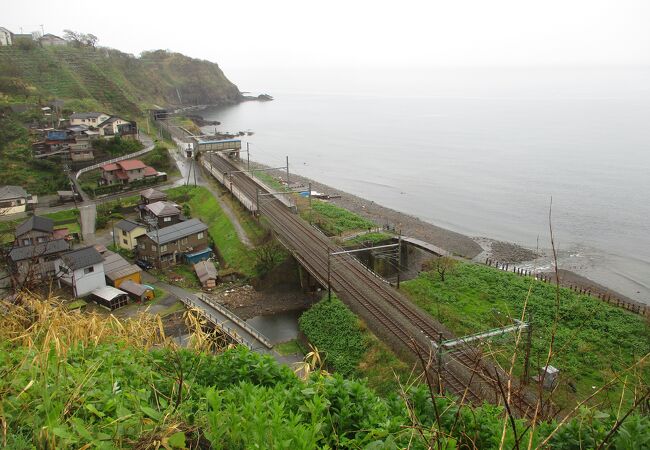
{"type": "Point", "coordinates": [80, 39]}
{"type": "Point", "coordinates": [443, 265]}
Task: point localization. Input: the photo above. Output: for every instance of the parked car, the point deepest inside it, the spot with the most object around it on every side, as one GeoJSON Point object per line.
{"type": "Point", "coordinates": [144, 265]}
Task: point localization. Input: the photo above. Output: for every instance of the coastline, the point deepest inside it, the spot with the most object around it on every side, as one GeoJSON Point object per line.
{"type": "Point", "coordinates": [472, 248]}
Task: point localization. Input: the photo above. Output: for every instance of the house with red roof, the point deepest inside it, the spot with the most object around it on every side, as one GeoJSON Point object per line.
{"type": "Point", "coordinates": [125, 172]}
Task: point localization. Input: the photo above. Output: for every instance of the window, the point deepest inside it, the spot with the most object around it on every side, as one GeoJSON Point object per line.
{"type": "Point", "coordinates": [88, 270]}
{"type": "Point", "coordinates": [200, 235]}
{"type": "Point", "coordinates": [143, 246]}
{"type": "Point", "coordinates": [123, 233]}
{"type": "Point", "coordinates": [41, 239]}
{"type": "Point", "coordinates": [153, 247]}
{"type": "Point", "coordinates": [125, 242]}
{"type": "Point", "coordinates": [167, 219]}
{"type": "Point", "coordinates": [184, 241]}
{"type": "Point", "coordinates": [27, 241]}
{"type": "Point", "coordinates": [163, 248]}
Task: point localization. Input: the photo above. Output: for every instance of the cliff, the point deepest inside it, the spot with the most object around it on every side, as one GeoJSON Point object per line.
{"type": "Point", "coordinates": [112, 80]}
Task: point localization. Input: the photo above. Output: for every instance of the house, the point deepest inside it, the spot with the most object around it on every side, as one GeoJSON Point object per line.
{"type": "Point", "coordinates": [81, 149]}
{"type": "Point", "coordinates": [151, 196]}
{"type": "Point", "coordinates": [163, 214]}
{"type": "Point", "coordinates": [116, 126]}
{"type": "Point", "coordinates": [125, 233]}
{"type": "Point", "coordinates": [50, 39]}
{"type": "Point", "coordinates": [14, 199]}
{"type": "Point", "coordinates": [126, 171]}
{"type": "Point", "coordinates": [137, 291]}
{"type": "Point", "coordinates": [110, 297]}
{"type": "Point", "coordinates": [91, 119]}
{"type": "Point", "coordinates": [119, 270]}
{"type": "Point", "coordinates": [82, 269]}
{"type": "Point", "coordinates": [207, 273]}
{"type": "Point", "coordinates": [6, 37]}
{"type": "Point", "coordinates": [170, 245]}
{"type": "Point", "coordinates": [34, 230]}
{"type": "Point", "coordinates": [37, 261]}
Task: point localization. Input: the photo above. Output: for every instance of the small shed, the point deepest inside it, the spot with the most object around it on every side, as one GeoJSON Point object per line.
{"type": "Point", "coordinates": [200, 255]}
{"type": "Point", "coordinates": [110, 297]}
{"type": "Point", "coordinates": [137, 291]}
{"type": "Point", "coordinates": [207, 273]}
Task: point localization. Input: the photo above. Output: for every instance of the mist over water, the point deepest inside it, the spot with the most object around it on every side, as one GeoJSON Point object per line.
{"type": "Point", "coordinates": [479, 151]}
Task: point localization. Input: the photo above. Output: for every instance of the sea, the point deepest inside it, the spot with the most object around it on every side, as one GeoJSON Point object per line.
{"type": "Point", "coordinates": [502, 153]}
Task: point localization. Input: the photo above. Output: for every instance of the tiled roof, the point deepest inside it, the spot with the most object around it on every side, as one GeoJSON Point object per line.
{"type": "Point", "coordinates": [123, 272]}
{"type": "Point", "coordinates": [10, 192]}
{"type": "Point", "coordinates": [150, 171]}
{"type": "Point", "coordinates": [160, 209]}
{"type": "Point", "coordinates": [82, 257]}
{"type": "Point", "coordinates": [177, 231]}
{"type": "Point", "coordinates": [110, 167]}
{"type": "Point", "coordinates": [131, 164]}
{"type": "Point", "coordinates": [34, 251]}
{"type": "Point", "coordinates": [37, 223]}
{"type": "Point", "coordinates": [113, 261]}
{"type": "Point", "coordinates": [128, 225]}
{"type": "Point", "coordinates": [152, 194]}
{"type": "Point", "coordinates": [134, 288]}
{"type": "Point", "coordinates": [205, 270]}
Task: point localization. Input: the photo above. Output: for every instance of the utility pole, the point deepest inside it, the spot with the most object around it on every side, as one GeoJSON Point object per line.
{"type": "Point", "coordinates": [310, 210]}
{"type": "Point", "coordinates": [399, 257]}
{"type": "Point", "coordinates": [257, 192]}
{"type": "Point", "coordinates": [329, 270]}
{"type": "Point", "coordinates": [529, 343]}
{"type": "Point", "coordinates": [287, 171]}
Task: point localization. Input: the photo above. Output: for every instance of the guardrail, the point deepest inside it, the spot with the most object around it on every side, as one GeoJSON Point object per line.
{"type": "Point", "coordinates": [226, 312]}
{"type": "Point", "coordinates": [114, 160]}
{"type": "Point", "coordinates": [221, 325]}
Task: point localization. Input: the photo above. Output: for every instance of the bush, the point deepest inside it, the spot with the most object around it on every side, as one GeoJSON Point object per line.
{"type": "Point", "coordinates": [334, 329]}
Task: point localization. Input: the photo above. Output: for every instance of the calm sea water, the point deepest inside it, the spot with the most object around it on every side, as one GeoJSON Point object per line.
{"type": "Point", "coordinates": [477, 151]}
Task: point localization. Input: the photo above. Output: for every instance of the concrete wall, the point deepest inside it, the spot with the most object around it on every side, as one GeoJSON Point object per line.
{"type": "Point", "coordinates": [83, 283]}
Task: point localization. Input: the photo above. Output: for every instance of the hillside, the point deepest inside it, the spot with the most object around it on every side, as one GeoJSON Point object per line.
{"type": "Point", "coordinates": [109, 79]}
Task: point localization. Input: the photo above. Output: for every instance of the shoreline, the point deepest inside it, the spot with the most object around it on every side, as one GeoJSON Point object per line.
{"type": "Point", "coordinates": [471, 248]}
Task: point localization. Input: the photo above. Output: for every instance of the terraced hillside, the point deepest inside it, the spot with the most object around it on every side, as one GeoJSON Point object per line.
{"type": "Point", "coordinates": [111, 79]}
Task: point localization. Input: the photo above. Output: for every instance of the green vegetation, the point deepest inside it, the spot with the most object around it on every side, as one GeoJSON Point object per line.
{"type": "Point", "coordinates": [17, 167]}
{"type": "Point", "coordinates": [594, 341]}
{"type": "Point", "coordinates": [205, 207]}
{"type": "Point", "coordinates": [336, 332]}
{"type": "Point", "coordinates": [373, 238]}
{"type": "Point", "coordinates": [103, 78]}
{"type": "Point", "coordinates": [117, 146]}
{"type": "Point", "coordinates": [348, 347]}
{"type": "Point", "coordinates": [68, 218]}
{"type": "Point", "coordinates": [84, 380]}
{"type": "Point", "coordinates": [335, 220]}
{"type": "Point", "coordinates": [288, 348]}
{"type": "Point", "coordinates": [160, 159]}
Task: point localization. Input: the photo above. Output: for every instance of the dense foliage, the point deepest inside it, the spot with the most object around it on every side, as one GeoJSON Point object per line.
{"type": "Point", "coordinates": [117, 146]}
{"type": "Point", "coordinates": [17, 166]}
{"type": "Point", "coordinates": [159, 159]}
{"type": "Point", "coordinates": [334, 220]}
{"type": "Point", "coordinates": [335, 331]}
{"type": "Point", "coordinates": [113, 395]}
{"type": "Point", "coordinates": [594, 341]}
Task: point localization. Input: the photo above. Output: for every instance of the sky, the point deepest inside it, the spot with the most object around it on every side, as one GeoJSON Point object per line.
{"type": "Point", "coordinates": [248, 34]}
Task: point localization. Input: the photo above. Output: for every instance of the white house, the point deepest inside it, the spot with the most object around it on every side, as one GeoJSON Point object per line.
{"type": "Point", "coordinates": [5, 37]}
{"type": "Point", "coordinates": [51, 39]}
{"type": "Point", "coordinates": [14, 199]}
{"type": "Point", "coordinates": [91, 119]}
{"type": "Point", "coordinates": [83, 270]}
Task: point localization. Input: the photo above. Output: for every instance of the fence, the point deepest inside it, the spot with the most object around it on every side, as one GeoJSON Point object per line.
{"type": "Point", "coordinates": [114, 160]}
{"type": "Point", "coordinates": [636, 308]}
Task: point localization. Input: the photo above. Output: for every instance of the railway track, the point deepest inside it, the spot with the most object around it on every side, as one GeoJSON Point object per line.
{"type": "Point", "coordinates": [349, 278]}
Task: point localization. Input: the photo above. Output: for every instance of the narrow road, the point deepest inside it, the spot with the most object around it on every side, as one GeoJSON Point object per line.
{"type": "Point", "coordinates": [185, 166]}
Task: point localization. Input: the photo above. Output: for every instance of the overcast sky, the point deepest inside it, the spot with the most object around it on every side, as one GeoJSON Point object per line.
{"type": "Point", "coordinates": [267, 34]}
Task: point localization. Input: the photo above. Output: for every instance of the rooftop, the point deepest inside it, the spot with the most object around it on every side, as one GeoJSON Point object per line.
{"type": "Point", "coordinates": [153, 194]}
{"type": "Point", "coordinates": [177, 231]}
{"type": "Point", "coordinates": [128, 225]}
{"type": "Point", "coordinates": [162, 208]}
{"type": "Point", "coordinates": [11, 192]}
{"type": "Point", "coordinates": [37, 223]}
{"type": "Point", "coordinates": [87, 115]}
{"type": "Point", "coordinates": [82, 257]}
{"type": "Point", "coordinates": [108, 292]}
{"type": "Point", "coordinates": [134, 288]}
{"type": "Point", "coordinates": [205, 270]}
{"type": "Point", "coordinates": [35, 251]}
{"type": "Point", "coordinates": [131, 164]}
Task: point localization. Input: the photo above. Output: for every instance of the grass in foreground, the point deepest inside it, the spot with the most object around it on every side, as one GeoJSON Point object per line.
{"type": "Point", "coordinates": [334, 220]}
{"type": "Point", "coordinates": [288, 348]}
{"type": "Point", "coordinates": [85, 381]}
{"type": "Point", "coordinates": [594, 340]}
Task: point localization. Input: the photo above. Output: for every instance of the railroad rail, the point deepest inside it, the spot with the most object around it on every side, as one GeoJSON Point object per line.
{"type": "Point", "coordinates": [465, 374]}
